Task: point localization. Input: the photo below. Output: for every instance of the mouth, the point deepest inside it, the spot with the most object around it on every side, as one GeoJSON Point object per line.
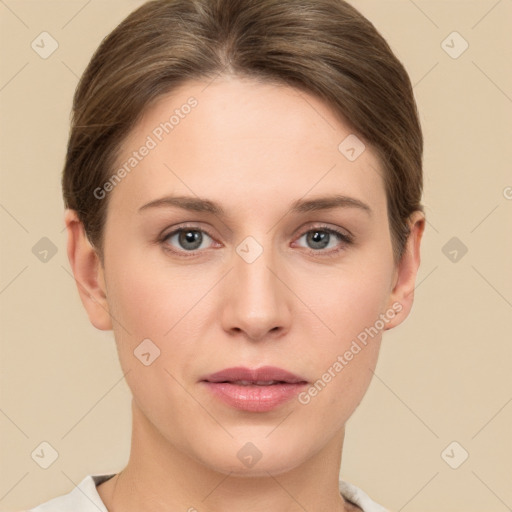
{"type": "Point", "coordinates": [251, 382]}
{"type": "Point", "coordinates": [264, 376]}
{"type": "Point", "coordinates": [258, 390]}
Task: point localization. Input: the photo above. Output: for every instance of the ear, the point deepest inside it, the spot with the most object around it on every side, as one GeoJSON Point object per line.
{"type": "Point", "coordinates": [404, 279]}
{"type": "Point", "coordinates": [88, 272]}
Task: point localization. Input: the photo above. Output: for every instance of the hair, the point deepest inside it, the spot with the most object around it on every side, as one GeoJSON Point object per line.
{"type": "Point", "coordinates": [322, 47]}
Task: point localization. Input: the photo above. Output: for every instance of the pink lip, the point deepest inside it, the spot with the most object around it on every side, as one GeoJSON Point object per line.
{"type": "Point", "coordinates": [265, 373]}
{"type": "Point", "coordinates": [254, 398]}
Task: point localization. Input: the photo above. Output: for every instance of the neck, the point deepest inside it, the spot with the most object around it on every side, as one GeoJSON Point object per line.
{"type": "Point", "coordinates": [161, 477]}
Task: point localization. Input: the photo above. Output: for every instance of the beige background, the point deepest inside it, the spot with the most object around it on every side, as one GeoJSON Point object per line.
{"type": "Point", "coordinates": [443, 376]}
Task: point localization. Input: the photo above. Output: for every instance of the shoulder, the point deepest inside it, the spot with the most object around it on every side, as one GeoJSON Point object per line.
{"type": "Point", "coordinates": [358, 497]}
{"type": "Point", "coordinates": [83, 498]}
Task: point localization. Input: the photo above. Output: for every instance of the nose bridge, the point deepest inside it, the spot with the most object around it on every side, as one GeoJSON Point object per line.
{"type": "Point", "coordinates": [255, 300]}
{"type": "Point", "coordinates": [252, 264]}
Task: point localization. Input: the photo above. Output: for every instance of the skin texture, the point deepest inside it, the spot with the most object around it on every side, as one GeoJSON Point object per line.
{"type": "Point", "coordinates": [254, 148]}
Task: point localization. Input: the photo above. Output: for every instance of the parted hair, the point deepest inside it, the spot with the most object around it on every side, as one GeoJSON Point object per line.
{"type": "Point", "coordinates": [322, 47]}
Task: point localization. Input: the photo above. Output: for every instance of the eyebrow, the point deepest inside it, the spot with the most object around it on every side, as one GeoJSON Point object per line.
{"type": "Point", "coordinates": [197, 204]}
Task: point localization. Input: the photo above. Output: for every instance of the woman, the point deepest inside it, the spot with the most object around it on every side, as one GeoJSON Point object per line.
{"type": "Point", "coordinates": [280, 139]}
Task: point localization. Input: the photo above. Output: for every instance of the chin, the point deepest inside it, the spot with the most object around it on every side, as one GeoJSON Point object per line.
{"type": "Point", "coordinates": [250, 461]}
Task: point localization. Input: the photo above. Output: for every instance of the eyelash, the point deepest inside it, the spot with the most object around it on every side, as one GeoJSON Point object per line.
{"type": "Point", "coordinates": [343, 237]}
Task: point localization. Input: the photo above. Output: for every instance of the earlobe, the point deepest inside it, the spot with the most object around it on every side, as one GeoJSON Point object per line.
{"type": "Point", "coordinates": [402, 295]}
{"type": "Point", "coordinates": [88, 272]}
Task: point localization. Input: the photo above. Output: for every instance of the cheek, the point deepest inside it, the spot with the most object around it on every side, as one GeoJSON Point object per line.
{"type": "Point", "coordinates": [343, 373]}
{"type": "Point", "coordinates": [346, 302]}
{"type": "Point", "coordinates": [155, 303]}
{"type": "Point", "coordinates": [147, 300]}
{"type": "Point", "coordinates": [359, 308]}
{"type": "Point", "coordinates": [150, 307]}
{"type": "Point", "coordinates": [349, 305]}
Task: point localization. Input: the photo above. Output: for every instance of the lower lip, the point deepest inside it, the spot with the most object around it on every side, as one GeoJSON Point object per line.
{"type": "Point", "coordinates": [254, 398]}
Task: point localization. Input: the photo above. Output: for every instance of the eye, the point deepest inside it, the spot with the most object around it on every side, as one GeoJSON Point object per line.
{"type": "Point", "coordinates": [323, 237]}
{"type": "Point", "coordinates": [185, 239]}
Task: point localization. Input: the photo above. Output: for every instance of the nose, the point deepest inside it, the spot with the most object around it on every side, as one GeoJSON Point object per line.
{"type": "Point", "coordinates": [256, 301]}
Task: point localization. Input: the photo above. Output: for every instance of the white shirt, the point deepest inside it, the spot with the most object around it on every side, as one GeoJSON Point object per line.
{"type": "Point", "coordinates": [85, 498]}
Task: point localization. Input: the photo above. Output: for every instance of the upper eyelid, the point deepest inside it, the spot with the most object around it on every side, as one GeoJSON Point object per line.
{"type": "Point", "coordinates": [196, 227]}
{"type": "Point", "coordinates": [301, 232]}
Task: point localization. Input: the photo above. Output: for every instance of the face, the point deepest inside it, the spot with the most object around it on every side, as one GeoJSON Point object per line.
{"type": "Point", "coordinates": [258, 282]}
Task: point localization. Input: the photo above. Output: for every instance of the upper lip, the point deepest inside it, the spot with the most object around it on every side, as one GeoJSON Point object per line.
{"type": "Point", "coordinates": [262, 374]}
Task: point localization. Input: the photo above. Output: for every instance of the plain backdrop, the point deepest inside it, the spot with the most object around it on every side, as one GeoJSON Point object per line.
{"type": "Point", "coordinates": [433, 432]}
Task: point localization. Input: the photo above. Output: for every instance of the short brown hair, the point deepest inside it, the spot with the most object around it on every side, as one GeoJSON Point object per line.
{"type": "Point", "coordinates": [323, 47]}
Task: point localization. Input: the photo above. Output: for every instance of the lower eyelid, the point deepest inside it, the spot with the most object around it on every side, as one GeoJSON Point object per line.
{"type": "Point", "coordinates": [342, 238]}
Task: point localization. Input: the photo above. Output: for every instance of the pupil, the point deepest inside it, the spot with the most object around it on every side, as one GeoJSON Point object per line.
{"type": "Point", "coordinates": [189, 237]}
{"type": "Point", "coordinates": [319, 237]}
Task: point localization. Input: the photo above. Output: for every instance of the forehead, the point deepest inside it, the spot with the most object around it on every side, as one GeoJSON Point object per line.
{"type": "Point", "coordinates": [239, 138]}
